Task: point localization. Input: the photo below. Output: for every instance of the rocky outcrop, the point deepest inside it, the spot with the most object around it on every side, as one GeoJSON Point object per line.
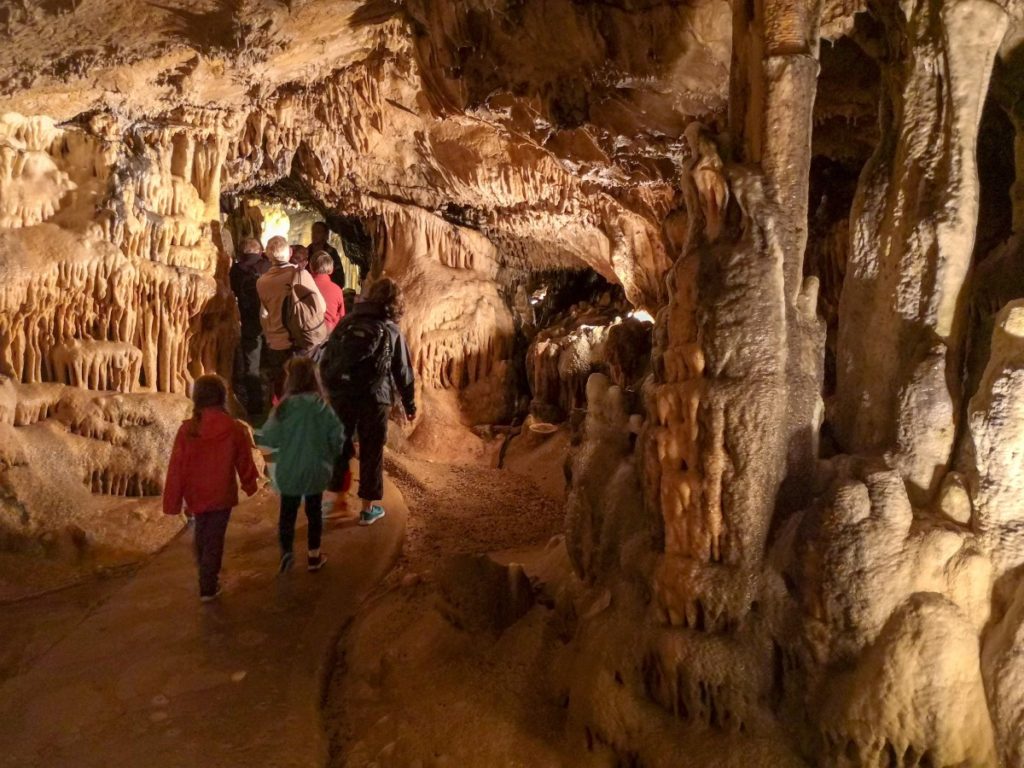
{"type": "Point", "coordinates": [867, 603]}
{"type": "Point", "coordinates": [854, 604]}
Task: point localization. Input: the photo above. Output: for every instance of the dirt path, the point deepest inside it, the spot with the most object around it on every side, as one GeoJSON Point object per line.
{"type": "Point", "coordinates": [412, 689]}
{"type": "Point", "coordinates": [465, 508]}
{"type": "Point", "coordinates": [146, 676]}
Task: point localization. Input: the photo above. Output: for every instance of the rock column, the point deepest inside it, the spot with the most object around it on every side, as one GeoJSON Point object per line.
{"type": "Point", "coordinates": [913, 225]}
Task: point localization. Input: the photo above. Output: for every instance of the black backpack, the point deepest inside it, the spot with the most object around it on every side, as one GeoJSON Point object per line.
{"type": "Point", "coordinates": [358, 354]}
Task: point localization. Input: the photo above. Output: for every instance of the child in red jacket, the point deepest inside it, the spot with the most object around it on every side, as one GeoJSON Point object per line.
{"type": "Point", "coordinates": [209, 450]}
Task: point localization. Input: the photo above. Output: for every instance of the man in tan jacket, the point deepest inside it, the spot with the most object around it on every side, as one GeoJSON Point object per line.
{"type": "Point", "coordinates": [274, 287]}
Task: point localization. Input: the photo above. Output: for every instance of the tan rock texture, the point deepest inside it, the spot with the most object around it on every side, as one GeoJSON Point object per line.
{"type": "Point", "coordinates": [799, 527]}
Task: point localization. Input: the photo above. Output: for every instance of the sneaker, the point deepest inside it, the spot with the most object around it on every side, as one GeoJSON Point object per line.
{"type": "Point", "coordinates": [286, 562]}
{"type": "Point", "coordinates": [210, 598]}
{"type": "Point", "coordinates": [371, 515]}
{"type": "Point", "coordinates": [315, 563]}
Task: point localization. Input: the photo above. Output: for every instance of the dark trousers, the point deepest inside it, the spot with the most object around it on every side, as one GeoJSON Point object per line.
{"type": "Point", "coordinates": [210, 529]}
{"type": "Point", "coordinates": [273, 369]}
{"type": "Point", "coordinates": [370, 420]}
{"type": "Point", "coordinates": [290, 513]}
{"type": "Point", "coordinates": [248, 380]}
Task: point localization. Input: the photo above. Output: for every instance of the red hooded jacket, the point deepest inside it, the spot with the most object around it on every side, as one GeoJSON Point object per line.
{"type": "Point", "coordinates": [203, 467]}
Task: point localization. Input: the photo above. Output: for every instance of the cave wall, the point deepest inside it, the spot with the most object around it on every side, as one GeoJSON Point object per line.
{"type": "Point", "coordinates": [853, 605]}
{"type": "Point", "coordinates": [870, 615]}
{"type": "Point", "coordinates": [120, 141]}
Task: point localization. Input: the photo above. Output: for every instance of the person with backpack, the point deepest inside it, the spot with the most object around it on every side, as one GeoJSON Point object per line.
{"type": "Point", "coordinates": [244, 273]}
{"type": "Point", "coordinates": [306, 437]}
{"type": "Point", "coordinates": [211, 452]}
{"type": "Point", "coordinates": [292, 314]}
{"type": "Point", "coordinates": [364, 361]}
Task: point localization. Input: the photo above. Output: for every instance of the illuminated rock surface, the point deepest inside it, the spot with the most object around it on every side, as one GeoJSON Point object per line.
{"type": "Point", "coordinates": [793, 527]}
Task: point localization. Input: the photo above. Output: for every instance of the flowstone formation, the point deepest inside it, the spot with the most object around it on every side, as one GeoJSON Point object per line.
{"type": "Point", "coordinates": [857, 601]}
{"type": "Point", "coordinates": [795, 501]}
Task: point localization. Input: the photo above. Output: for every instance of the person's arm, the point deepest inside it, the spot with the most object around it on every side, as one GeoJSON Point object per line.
{"type": "Point", "coordinates": [244, 465]}
{"type": "Point", "coordinates": [268, 437]}
{"type": "Point", "coordinates": [174, 485]}
{"type": "Point", "coordinates": [329, 363]}
{"type": "Point", "coordinates": [402, 373]}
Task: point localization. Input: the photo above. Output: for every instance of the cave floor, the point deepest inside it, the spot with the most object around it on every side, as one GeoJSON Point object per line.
{"type": "Point", "coordinates": [414, 690]}
{"type": "Point", "coordinates": [143, 674]}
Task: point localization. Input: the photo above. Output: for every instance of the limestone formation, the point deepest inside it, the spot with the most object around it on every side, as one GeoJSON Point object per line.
{"type": "Point", "coordinates": [795, 498]}
{"type": "Point", "coordinates": [913, 233]}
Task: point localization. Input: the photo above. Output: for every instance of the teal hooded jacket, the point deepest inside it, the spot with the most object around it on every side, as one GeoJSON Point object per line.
{"type": "Point", "coordinates": [306, 437]}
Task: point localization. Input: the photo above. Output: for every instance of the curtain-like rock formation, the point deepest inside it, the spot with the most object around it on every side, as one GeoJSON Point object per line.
{"type": "Point", "coordinates": [853, 601]}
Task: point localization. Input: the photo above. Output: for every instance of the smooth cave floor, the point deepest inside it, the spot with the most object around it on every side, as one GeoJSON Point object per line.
{"type": "Point", "coordinates": [136, 672]}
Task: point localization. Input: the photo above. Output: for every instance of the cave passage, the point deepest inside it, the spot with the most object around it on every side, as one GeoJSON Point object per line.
{"type": "Point", "coordinates": [716, 316]}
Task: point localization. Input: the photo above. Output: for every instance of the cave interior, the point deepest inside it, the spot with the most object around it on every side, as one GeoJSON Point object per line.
{"type": "Point", "coordinates": [734, 289]}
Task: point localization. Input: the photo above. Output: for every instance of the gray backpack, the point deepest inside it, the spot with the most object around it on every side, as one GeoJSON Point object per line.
{"type": "Point", "coordinates": [302, 317]}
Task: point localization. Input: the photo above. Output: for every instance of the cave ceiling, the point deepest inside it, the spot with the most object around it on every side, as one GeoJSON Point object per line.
{"type": "Point", "coordinates": [555, 127]}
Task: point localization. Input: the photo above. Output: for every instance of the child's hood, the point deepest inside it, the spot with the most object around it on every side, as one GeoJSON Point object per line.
{"type": "Point", "coordinates": [215, 424]}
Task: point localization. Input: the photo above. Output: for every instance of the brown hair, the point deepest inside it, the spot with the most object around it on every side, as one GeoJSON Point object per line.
{"type": "Point", "coordinates": [386, 292]}
{"type": "Point", "coordinates": [301, 377]}
{"type": "Point", "coordinates": [208, 391]}
{"type": "Point", "coordinates": [251, 246]}
{"type": "Point", "coordinates": [321, 263]}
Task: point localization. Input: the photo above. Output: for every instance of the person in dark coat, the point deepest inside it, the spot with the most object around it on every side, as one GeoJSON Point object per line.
{"type": "Point", "coordinates": [366, 363]}
{"type": "Point", "coordinates": [244, 272]}
{"type": "Point", "coordinates": [320, 234]}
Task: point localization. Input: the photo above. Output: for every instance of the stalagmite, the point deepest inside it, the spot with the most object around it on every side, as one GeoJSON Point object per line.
{"type": "Point", "coordinates": [902, 309]}
{"type": "Point", "coordinates": [995, 442]}
{"type": "Point", "coordinates": [791, 426]}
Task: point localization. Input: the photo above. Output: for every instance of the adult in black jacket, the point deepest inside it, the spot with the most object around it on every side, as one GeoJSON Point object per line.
{"type": "Point", "coordinates": [244, 273]}
{"type": "Point", "coordinates": [366, 362]}
{"type": "Point", "coordinates": [320, 235]}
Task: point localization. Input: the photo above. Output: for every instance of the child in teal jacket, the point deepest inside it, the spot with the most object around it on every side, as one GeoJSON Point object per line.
{"type": "Point", "coordinates": [306, 437]}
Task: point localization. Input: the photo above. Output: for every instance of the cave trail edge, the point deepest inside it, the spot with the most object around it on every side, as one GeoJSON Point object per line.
{"type": "Point", "coordinates": [153, 678]}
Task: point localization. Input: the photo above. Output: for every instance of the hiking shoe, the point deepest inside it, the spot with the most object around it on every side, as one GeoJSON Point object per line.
{"type": "Point", "coordinates": [286, 562]}
{"type": "Point", "coordinates": [315, 563]}
{"type": "Point", "coordinates": [371, 515]}
{"type": "Point", "coordinates": [210, 598]}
